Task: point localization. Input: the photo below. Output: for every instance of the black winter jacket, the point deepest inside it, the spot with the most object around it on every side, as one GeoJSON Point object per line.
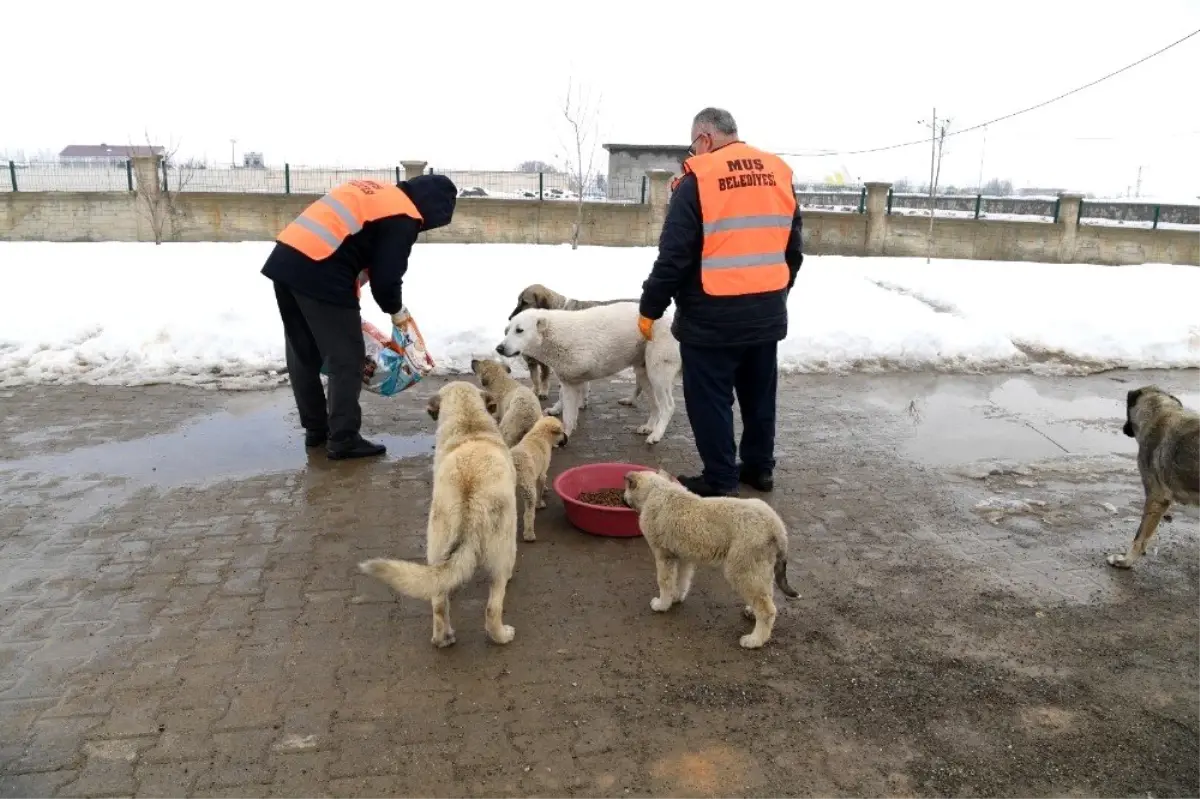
{"type": "Point", "coordinates": [703, 320]}
{"type": "Point", "coordinates": [382, 246]}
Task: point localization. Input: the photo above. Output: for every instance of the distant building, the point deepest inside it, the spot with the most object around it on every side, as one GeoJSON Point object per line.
{"type": "Point", "coordinates": [627, 165]}
{"type": "Point", "coordinates": [99, 154]}
{"type": "Point", "coordinates": [253, 161]}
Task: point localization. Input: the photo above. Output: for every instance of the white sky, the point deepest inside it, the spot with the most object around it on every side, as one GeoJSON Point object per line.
{"type": "Point", "coordinates": [480, 84]}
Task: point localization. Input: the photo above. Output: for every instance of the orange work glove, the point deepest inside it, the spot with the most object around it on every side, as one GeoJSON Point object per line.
{"type": "Point", "coordinates": [645, 326]}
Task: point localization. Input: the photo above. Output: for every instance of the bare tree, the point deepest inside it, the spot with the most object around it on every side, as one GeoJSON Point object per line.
{"type": "Point", "coordinates": [583, 125]}
{"type": "Point", "coordinates": [937, 140]}
{"type": "Point", "coordinates": [157, 194]}
{"type": "Point", "coordinates": [536, 166]}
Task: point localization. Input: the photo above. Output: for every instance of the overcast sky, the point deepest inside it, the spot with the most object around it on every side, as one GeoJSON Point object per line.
{"type": "Point", "coordinates": [480, 85]}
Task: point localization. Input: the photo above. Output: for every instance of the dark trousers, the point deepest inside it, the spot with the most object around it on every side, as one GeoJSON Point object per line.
{"type": "Point", "coordinates": [711, 377]}
{"type": "Point", "coordinates": [317, 333]}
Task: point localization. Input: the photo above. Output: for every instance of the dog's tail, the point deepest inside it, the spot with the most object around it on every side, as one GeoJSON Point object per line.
{"type": "Point", "coordinates": [781, 556]}
{"type": "Point", "coordinates": [420, 581]}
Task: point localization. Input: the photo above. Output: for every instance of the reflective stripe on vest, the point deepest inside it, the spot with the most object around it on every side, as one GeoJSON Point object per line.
{"type": "Point", "coordinates": [747, 204]}
{"type": "Point", "coordinates": [322, 227]}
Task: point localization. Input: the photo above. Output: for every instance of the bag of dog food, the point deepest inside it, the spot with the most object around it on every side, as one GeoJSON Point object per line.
{"type": "Point", "coordinates": [394, 363]}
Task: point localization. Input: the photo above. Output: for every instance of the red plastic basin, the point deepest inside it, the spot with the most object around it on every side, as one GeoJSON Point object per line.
{"type": "Point", "coordinates": [619, 522]}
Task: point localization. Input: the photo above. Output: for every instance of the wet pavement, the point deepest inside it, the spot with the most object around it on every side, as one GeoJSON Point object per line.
{"type": "Point", "coordinates": [180, 612]}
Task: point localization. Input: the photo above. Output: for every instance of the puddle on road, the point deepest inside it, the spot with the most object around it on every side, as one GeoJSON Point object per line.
{"type": "Point", "coordinates": [220, 446]}
{"type": "Point", "coordinates": [962, 420]}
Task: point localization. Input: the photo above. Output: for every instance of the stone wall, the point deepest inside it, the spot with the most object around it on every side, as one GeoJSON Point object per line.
{"type": "Point", "coordinates": [121, 216]}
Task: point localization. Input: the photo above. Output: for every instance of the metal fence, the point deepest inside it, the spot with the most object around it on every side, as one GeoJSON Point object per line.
{"type": "Point", "coordinates": [122, 176]}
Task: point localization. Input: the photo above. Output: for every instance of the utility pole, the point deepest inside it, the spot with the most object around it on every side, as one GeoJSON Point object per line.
{"type": "Point", "coordinates": [937, 139]}
{"type": "Point", "coordinates": [233, 153]}
{"type": "Point", "coordinates": [982, 150]}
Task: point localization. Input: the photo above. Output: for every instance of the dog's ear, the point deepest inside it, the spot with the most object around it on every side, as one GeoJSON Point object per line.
{"type": "Point", "coordinates": [1178, 401]}
{"type": "Point", "coordinates": [1131, 401]}
{"type": "Point", "coordinates": [541, 325]}
{"type": "Point", "coordinates": [434, 407]}
{"type": "Point", "coordinates": [475, 365]}
{"type": "Point", "coordinates": [540, 300]}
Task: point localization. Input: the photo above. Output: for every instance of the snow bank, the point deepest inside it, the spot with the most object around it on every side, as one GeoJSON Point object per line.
{"type": "Point", "coordinates": [202, 314]}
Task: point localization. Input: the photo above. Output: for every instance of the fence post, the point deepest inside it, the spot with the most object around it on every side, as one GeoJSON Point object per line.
{"type": "Point", "coordinates": [397, 177]}
{"type": "Point", "coordinates": [129, 172]}
{"type": "Point", "coordinates": [889, 205]}
{"type": "Point", "coordinates": [164, 167]}
{"type": "Point", "coordinates": [541, 186]}
{"type": "Point", "coordinates": [644, 179]}
{"type": "Point", "coordinates": [978, 202]}
{"type": "Point", "coordinates": [12, 174]}
{"type": "Point", "coordinates": [862, 200]}
{"type": "Point", "coordinates": [1057, 203]}
{"type": "Point", "coordinates": [1157, 211]}
{"type": "Point", "coordinates": [287, 179]}
{"type": "Point", "coordinates": [1079, 216]}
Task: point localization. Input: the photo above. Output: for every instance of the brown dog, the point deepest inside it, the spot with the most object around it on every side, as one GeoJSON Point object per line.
{"type": "Point", "coordinates": [538, 296]}
{"type": "Point", "coordinates": [1168, 460]}
{"type": "Point", "coordinates": [531, 459]}
{"type": "Point", "coordinates": [517, 408]}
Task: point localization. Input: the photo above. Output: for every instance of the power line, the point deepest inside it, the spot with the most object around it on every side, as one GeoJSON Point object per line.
{"type": "Point", "coordinates": [1006, 116]}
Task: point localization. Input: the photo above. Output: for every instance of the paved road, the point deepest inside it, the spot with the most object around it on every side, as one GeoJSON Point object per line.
{"type": "Point", "coordinates": [181, 614]}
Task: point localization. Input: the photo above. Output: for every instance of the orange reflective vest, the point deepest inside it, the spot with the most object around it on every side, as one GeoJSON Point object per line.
{"type": "Point", "coordinates": [323, 226]}
{"type": "Point", "coordinates": [746, 204]}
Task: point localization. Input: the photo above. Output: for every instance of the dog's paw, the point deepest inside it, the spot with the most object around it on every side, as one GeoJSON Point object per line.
{"type": "Point", "coordinates": [628, 402]}
{"type": "Point", "coordinates": [543, 395]}
{"type": "Point", "coordinates": [554, 410]}
{"type": "Point", "coordinates": [643, 429]}
{"type": "Point", "coordinates": [654, 438]}
{"type": "Point", "coordinates": [541, 503]}
{"type": "Point", "coordinates": [750, 641]}
{"type": "Point", "coordinates": [446, 640]}
{"type": "Point", "coordinates": [529, 537]}
{"type": "Point", "coordinates": [505, 634]}
{"type": "Point", "coordinates": [748, 613]}
{"type": "Point", "coordinates": [1119, 561]}
{"type": "Point", "coordinates": [659, 605]}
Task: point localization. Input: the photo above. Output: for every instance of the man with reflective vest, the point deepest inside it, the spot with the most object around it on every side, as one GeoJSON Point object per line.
{"type": "Point", "coordinates": [728, 256]}
{"type": "Point", "coordinates": [360, 229]}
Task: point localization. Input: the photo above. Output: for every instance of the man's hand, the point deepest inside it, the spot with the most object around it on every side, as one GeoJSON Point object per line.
{"type": "Point", "coordinates": [398, 317]}
{"type": "Point", "coordinates": [645, 326]}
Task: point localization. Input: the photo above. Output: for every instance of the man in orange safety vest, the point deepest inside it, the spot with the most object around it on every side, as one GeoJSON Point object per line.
{"type": "Point", "coordinates": [728, 256]}
{"type": "Point", "coordinates": [360, 228]}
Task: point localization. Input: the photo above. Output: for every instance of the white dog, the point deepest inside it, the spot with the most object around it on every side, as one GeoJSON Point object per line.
{"type": "Point", "coordinates": [598, 342]}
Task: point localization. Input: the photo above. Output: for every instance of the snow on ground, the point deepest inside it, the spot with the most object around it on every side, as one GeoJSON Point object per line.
{"type": "Point", "coordinates": [202, 314]}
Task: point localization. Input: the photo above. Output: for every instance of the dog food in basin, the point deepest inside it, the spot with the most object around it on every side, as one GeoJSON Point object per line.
{"type": "Point", "coordinates": [593, 496]}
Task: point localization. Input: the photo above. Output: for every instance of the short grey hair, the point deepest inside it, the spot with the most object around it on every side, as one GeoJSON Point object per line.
{"type": "Point", "coordinates": [716, 120]}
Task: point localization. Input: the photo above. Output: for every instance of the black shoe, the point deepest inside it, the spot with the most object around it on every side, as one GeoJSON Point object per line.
{"type": "Point", "coordinates": [700, 487]}
{"type": "Point", "coordinates": [315, 438]}
{"type": "Point", "coordinates": [757, 479]}
{"type": "Point", "coordinates": [357, 447]}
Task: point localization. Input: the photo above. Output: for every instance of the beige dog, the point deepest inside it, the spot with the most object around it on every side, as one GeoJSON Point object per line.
{"type": "Point", "coordinates": [531, 459]}
{"type": "Point", "coordinates": [1168, 437]}
{"type": "Point", "coordinates": [745, 536]}
{"type": "Point", "coordinates": [472, 516]}
{"type": "Point", "coordinates": [538, 296]}
{"type": "Point", "coordinates": [517, 407]}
